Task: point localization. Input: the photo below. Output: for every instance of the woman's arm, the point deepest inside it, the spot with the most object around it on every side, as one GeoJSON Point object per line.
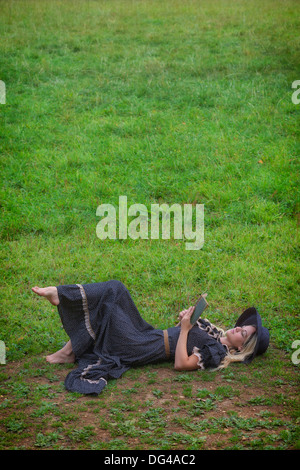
{"type": "Point", "coordinates": [182, 360]}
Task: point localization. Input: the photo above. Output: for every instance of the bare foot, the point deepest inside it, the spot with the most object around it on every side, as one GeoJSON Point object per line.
{"type": "Point", "coordinates": [60, 358]}
{"type": "Point", "coordinates": [63, 356]}
{"type": "Point", "coordinates": [49, 292]}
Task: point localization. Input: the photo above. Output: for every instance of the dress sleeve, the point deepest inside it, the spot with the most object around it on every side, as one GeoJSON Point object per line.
{"type": "Point", "coordinates": [209, 355]}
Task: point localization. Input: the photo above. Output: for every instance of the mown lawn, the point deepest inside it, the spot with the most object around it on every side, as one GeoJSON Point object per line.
{"type": "Point", "coordinates": [175, 102]}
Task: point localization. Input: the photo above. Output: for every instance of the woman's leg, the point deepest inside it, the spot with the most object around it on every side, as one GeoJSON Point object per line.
{"type": "Point", "coordinates": [66, 354]}
{"type": "Point", "coordinates": [63, 356]}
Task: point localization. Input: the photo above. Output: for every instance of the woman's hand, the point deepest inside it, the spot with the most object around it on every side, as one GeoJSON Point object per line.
{"type": "Point", "coordinates": [182, 360]}
{"type": "Point", "coordinates": [185, 317]}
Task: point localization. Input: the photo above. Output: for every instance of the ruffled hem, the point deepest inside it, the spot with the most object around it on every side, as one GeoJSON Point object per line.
{"type": "Point", "coordinates": [92, 374]}
{"type": "Point", "coordinates": [210, 329]}
{"type": "Point", "coordinates": [200, 362]}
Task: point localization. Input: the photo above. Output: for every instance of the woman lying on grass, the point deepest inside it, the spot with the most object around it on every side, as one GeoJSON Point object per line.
{"type": "Point", "coordinates": [108, 336]}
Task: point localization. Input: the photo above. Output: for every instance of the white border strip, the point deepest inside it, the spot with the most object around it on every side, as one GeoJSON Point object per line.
{"type": "Point", "coordinates": [86, 312]}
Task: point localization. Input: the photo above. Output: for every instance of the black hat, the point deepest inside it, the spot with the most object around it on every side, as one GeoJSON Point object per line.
{"type": "Point", "coordinates": [252, 317]}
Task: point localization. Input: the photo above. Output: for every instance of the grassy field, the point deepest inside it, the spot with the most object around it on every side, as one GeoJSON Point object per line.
{"type": "Point", "coordinates": [186, 102]}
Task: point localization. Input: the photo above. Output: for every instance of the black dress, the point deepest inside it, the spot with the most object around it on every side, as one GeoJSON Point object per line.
{"type": "Point", "coordinates": [109, 336]}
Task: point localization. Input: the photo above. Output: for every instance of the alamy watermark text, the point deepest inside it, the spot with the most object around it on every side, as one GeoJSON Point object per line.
{"type": "Point", "coordinates": [146, 224]}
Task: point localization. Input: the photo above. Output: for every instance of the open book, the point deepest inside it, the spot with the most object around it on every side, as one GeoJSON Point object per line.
{"type": "Point", "coordinates": [200, 306]}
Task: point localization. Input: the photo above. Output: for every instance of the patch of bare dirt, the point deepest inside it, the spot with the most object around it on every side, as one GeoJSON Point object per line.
{"type": "Point", "coordinates": [250, 397]}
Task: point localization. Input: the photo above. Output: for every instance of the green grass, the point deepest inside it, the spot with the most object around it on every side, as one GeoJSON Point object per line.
{"type": "Point", "coordinates": [164, 102]}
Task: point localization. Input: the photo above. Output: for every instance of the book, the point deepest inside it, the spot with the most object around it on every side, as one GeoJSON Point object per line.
{"type": "Point", "coordinates": [200, 306]}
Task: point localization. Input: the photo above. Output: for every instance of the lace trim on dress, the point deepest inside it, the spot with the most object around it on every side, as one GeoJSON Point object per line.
{"type": "Point", "coordinates": [86, 312]}
{"type": "Point", "coordinates": [200, 362]}
{"type": "Point", "coordinates": [86, 371]}
{"type": "Point", "coordinates": [209, 328]}
{"type": "Point", "coordinates": [95, 381]}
